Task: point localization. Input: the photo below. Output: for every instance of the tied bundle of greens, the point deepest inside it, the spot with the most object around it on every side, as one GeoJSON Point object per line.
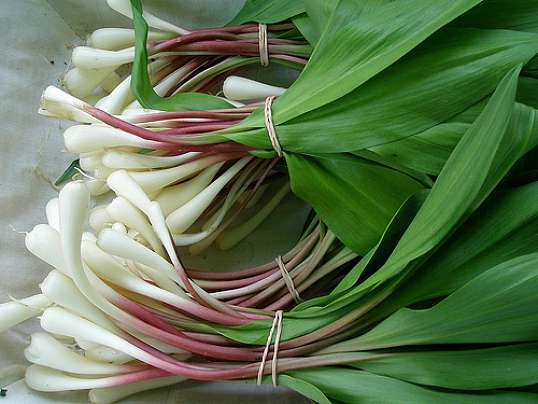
{"type": "Point", "coordinates": [411, 133]}
{"type": "Point", "coordinates": [364, 93]}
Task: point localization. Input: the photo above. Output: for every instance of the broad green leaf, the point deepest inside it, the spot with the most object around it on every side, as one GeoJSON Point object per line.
{"type": "Point", "coordinates": [478, 163]}
{"type": "Point", "coordinates": [362, 38]}
{"type": "Point", "coordinates": [390, 162]}
{"type": "Point", "coordinates": [354, 197]}
{"type": "Point", "coordinates": [140, 82]}
{"type": "Point", "coordinates": [313, 22]}
{"type": "Point", "coordinates": [465, 369]}
{"type": "Point", "coordinates": [338, 299]}
{"type": "Point", "coordinates": [306, 27]}
{"type": "Point", "coordinates": [376, 257]}
{"type": "Point", "coordinates": [498, 306]}
{"type": "Point", "coordinates": [456, 68]}
{"type": "Point", "coordinates": [355, 386]}
{"type": "Point", "coordinates": [518, 15]}
{"type": "Point", "coordinates": [304, 388]}
{"type": "Point", "coordinates": [268, 11]}
{"type": "Point", "coordinates": [426, 152]}
{"type": "Point", "coordinates": [504, 227]}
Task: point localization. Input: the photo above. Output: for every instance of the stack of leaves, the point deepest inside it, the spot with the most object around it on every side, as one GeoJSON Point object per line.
{"type": "Point", "coordinates": [411, 132]}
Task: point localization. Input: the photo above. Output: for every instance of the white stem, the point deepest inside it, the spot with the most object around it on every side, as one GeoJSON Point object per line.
{"type": "Point", "coordinates": [121, 210]}
{"type": "Point", "coordinates": [102, 172]}
{"type": "Point", "coordinates": [15, 312]}
{"type": "Point", "coordinates": [182, 218]}
{"type": "Point", "coordinates": [120, 38]}
{"type": "Point", "coordinates": [119, 227]}
{"type": "Point", "coordinates": [233, 236]}
{"type": "Point", "coordinates": [124, 185]}
{"type": "Point", "coordinates": [172, 197]}
{"type": "Point", "coordinates": [241, 89]}
{"type": "Point", "coordinates": [41, 378]}
{"type": "Point", "coordinates": [97, 187]}
{"type": "Point", "coordinates": [121, 96]}
{"type": "Point", "coordinates": [124, 7]}
{"type": "Point", "coordinates": [136, 161]}
{"type": "Point", "coordinates": [160, 279]}
{"type": "Point", "coordinates": [45, 350]}
{"type": "Point", "coordinates": [136, 195]}
{"type": "Point", "coordinates": [108, 395]}
{"type": "Point", "coordinates": [151, 181]}
{"type": "Point", "coordinates": [91, 138]}
{"type": "Point", "coordinates": [106, 267]}
{"type": "Point", "coordinates": [83, 82]}
{"type": "Point", "coordinates": [83, 344]}
{"type": "Point", "coordinates": [125, 247]}
{"type": "Point", "coordinates": [41, 242]}
{"type": "Point", "coordinates": [60, 321]}
{"type": "Point", "coordinates": [61, 290]}
{"type": "Point", "coordinates": [59, 104]}
{"type": "Point", "coordinates": [86, 57]}
{"type": "Point", "coordinates": [111, 82]}
{"type": "Point", "coordinates": [90, 161]}
{"type": "Point", "coordinates": [53, 214]}
{"type": "Point", "coordinates": [99, 218]}
{"type": "Point", "coordinates": [106, 354]}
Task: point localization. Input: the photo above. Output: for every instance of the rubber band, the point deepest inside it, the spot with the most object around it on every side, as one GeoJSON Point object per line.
{"type": "Point", "coordinates": [277, 323]}
{"type": "Point", "coordinates": [288, 280]}
{"type": "Point", "coordinates": [263, 48]}
{"type": "Point", "coordinates": [270, 127]}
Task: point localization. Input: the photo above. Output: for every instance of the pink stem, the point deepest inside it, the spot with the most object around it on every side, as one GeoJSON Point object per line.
{"type": "Point", "coordinates": [164, 116]}
{"type": "Point", "coordinates": [290, 58]}
{"type": "Point", "coordinates": [199, 128]}
{"type": "Point", "coordinates": [193, 37]}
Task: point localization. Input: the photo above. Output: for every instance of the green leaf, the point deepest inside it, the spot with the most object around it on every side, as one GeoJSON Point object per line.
{"type": "Point", "coordinates": [465, 369]}
{"type": "Point", "coordinates": [268, 11]}
{"type": "Point", "coordinates": [448, 74]}
{"type": "Point", "coordinates": [505, 227]}
{"type": "Point", "coordinates": [313, 22]}
{"type": "Point", "coordinates": [256, 332]}
{"type": "Point", "coordinates": [140, 82]}
{"type": "Point", "coordinates": [370, 36]}
{"type": "Point", "coordinates": [426, 152]}
{"type": "Point", "coordinates": [355, 386]}
{"type": "Point", "coordinates": [392, 234]}
{"type": "Point", "coordinates": [478, 163]}
{"type": "Point", "coordinates": [304, 388]}
{"type": "Point", "coordinates": [517, 15]}
{"type": "Point", "coordinates": [354, 197]}
{"type": "Point", "coordinates": [498, 306]}
{"type": "Point", "coordinates": [69, 172]}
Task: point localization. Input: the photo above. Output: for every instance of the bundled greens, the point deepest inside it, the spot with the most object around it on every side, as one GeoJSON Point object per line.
{"type": "Point", "coordinates": [410, 132]}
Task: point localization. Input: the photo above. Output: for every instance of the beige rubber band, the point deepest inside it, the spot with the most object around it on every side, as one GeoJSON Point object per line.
{"type": "Point", "coordinates": [288, 280]}
{"type": "Point", "coordinates": [263, 48]}
{"type": "Point", "coordinates": [270, 127]}
{"type": "Point", "coordinates": [277, 323]}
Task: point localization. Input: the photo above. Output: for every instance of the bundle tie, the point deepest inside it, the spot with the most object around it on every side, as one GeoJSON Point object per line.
{"type": "Point", "coordinates": [288, 280]}
{"type": "Point", "coordinates": [270, 127]}
{"type": "Point", "coordinates": [263, 48]}
{"type": "Point", "coordinates": [277, 323]}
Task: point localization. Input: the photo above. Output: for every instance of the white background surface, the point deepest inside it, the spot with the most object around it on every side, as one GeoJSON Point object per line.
{"type": "Point", "coordinates": [37, 37]}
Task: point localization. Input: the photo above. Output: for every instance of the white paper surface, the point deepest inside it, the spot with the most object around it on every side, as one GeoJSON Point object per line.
{"type": "Point", "coordinates": [37, 38]}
